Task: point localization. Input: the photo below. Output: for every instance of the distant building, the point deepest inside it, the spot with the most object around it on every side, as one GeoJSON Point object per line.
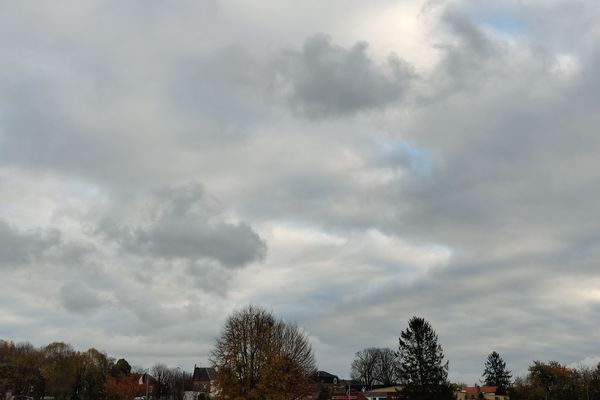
{"type": "Point", "coordinates": [342, 394]}
{"type": "Point", "coordinates": [323, 384]}
{"type": "Point", "coordinates": [477, 392]}
{"type": "Point", "coordinates": [326, 378]}
{"type": "Point", "coordinates": [383, 393]}
{"type": "Point", "coordinates": [202, 383]}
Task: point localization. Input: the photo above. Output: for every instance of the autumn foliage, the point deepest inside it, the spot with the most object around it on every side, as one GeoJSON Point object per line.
{"type": "Point", "coordinates": [121, 388]}
{"type": "Point", "coordinates": [260, 357]}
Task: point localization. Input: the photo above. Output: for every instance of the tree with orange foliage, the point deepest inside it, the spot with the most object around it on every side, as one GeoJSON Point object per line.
{"type": "Point", "coordinates": [59, 369]}
{"type": "Point", "coordinates": [260, 357]}
{"type": "Point", "coordinates": [125, 387]}
{"type": "Point", "coordinates": [555, 380]}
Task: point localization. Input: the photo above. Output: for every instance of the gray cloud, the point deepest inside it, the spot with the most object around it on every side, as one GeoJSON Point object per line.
{"type": "Point", "coordinates": [486, 154]}
{"type": "Point", "coordinates": [183, 223]}
{"type": "Point", "coordinates": [41, 247]}
{"type": "Point", "coordinates": [324, 79]}
{"type": "Point", "coordinates": [78, 298]}
{"type": "Point", "coordinates": [25, 247]}
{"type": "Point", "coordinates": [469, 57]}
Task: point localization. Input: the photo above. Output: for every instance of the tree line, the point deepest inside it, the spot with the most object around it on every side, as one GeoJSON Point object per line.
{"type": "Point", "coordinates": [555, 381]}
{"type": "Point", "coordinates": [260, 357]}
{"type": "Point", "coordinates": [60, 372]}
{"type": "Point", "coordinates": [418, 365]}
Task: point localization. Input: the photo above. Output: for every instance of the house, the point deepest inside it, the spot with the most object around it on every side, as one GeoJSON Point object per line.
{"type": "Point", "coordinates": [323, 384]}
{"type": "Point", "coordinates": [326, 378]}
{"type": "Point", "coordinates": [383, 393]}
{"type": "Point", "coordinates": [201, 384]}
{"type": "Point", "coordinates": [341, 394]}
{"type": "Point", "coordinates": [479, 392]}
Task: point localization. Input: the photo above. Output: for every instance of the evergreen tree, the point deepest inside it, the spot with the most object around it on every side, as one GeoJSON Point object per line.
{"type": "Point", "coordinates": [421, 363]}
{"type": "Point", "coordinates": [496, 374]}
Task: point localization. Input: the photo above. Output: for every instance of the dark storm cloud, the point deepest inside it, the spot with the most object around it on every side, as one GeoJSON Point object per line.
{"type": "Point", "coordinates": [324, 79]}
{"type": "Point", "coordinates": [183, 223]}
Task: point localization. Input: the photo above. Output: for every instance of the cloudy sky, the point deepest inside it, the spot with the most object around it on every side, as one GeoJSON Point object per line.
{"type": "Point", "coordinates": [346, 164]}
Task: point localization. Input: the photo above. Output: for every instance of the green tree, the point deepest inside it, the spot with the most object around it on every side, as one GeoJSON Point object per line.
{"type": "Point", "coordinates": [422, 369]}
{"type": "Point", "coordinates": [496, 374]}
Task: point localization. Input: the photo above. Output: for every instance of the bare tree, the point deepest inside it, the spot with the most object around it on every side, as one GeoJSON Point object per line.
{"type": "Point", "coordinates": [364, 366]}
{"type": "Point", "coordinates": [160, 372]}
{"type": "Point", "coordinates": [386, 368]}
{"type": "Point", "coordinates": [260, 357]}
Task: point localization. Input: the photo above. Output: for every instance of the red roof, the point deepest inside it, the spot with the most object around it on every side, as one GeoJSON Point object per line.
{"type": "Point", "coordinates": [482, 389]}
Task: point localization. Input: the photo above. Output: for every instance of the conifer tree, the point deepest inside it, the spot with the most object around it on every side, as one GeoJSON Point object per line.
{"type": "Point", "coordinates": [421, 363]}
{"type": "Point", "coordinates": [496, 374]}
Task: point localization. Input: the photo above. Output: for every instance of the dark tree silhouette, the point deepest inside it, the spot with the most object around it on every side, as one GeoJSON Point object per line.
{"type": "Point", "coordinates": [121, 368]}
{"type": "Point", "coordinates": [496, 374]}
{"type": "Point", "coordinates": [364, 366]}
{"type": "Point", "coordinates": [386, 371]}
{"type": "Point", "coordinates": [422, 369]}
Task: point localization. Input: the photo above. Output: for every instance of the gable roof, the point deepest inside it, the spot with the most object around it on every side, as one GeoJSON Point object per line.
{"type": "Point", "coordinates": [482, 389]}
{"type": "Point", "coordinates": [203, 374]}
{"type": "Point", "coordinates": [387, 389]}
{"type": "Point", "coordinates": [325, 374]}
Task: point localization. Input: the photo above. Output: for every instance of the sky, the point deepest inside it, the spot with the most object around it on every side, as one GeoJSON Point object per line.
{"type": "Point", "coordinates": [344, 164]}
